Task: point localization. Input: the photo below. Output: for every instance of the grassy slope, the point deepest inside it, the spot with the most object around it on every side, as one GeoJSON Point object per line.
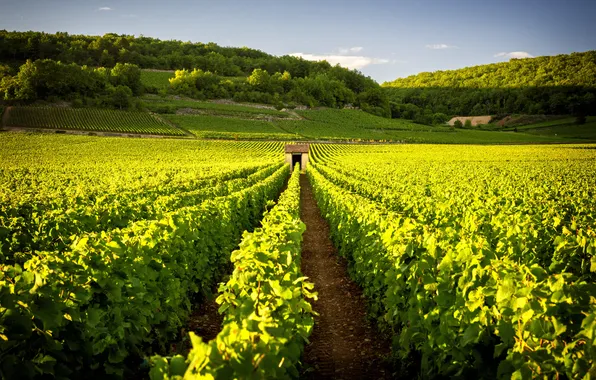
{"type": "Point", "coordinates": [158, 104]}
{"type": "Point", "coordinates": [560, 128]}
{"type": "Point", "coordinates": [359, 119]}
{"type": "Point", "coordinates": [330, 124]}
{"type": "Point", "coordinates": [568, 130]}
{"type": "Point", "coordinates": [325, 131]}
{"type": "Point", "coordinates": [228, 128]}
{"type": "Point", "coordinates": [549, 123]}
{"type": "Point", "coordinates": [323, 124]}
{"type": "Point", "coordinates": [156, 79]}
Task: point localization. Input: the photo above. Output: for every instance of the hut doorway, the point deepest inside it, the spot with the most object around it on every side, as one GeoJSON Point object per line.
{"type": "Point", "coordinates": [297, 159]}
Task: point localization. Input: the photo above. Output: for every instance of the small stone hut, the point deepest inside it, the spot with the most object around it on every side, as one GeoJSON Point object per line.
{"type": "Point", "coordinates": [297, 154]}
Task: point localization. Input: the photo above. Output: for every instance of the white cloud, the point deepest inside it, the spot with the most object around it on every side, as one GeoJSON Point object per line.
{"type": "Point", "coordinates": [515, 54]}
{"type": "Point", "coordinates": [105, 9]}
{"type": "Point", "coordinates": [355, 49]}
{"type": "Point", "coordinates": [349, 61]}
{"type": "Point", "coordinates": [440, 46]}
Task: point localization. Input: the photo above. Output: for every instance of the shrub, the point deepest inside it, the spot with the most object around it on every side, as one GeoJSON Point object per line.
{"type": "Point", "coordinates": [580, 119]}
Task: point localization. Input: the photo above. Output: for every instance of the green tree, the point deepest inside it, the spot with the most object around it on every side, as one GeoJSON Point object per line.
{"type": "Point", "coordinates": [127, 75]}
{"type": "Point", "coordinates": [121, 97]}
{"type": "Point", "coordinates": [375, 101]}
{"type": "Point", "coordinates": [580, 119]}
{"type": "Point", "coordinates": [439, 118]}
{"type": "Point", "coordinates": [259, 80]}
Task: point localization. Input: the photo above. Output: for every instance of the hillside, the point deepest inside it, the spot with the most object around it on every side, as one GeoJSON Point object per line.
{"type": "Point", "coordinates": [562, 84]}
{"type": "Point", "coordinates": [239, 93]}
{"type": "Point", "coordinates": [188, 118]}
{"type": "Point", "coordinates": [43, 66]}
{"type": "Point", "coordinates": [556, 127]}
{"type": "Point", "coordinates": [576, 69]}
{"type": "Point", "coordinates": [145, 52]}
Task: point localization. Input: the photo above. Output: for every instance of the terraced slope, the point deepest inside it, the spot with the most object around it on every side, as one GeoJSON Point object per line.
{"type": "Point", "coordinates": [87, 119]}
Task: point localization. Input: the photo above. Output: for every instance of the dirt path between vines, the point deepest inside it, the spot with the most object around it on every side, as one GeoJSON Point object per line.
{"type": "Point", "coordinates": [343, 345]}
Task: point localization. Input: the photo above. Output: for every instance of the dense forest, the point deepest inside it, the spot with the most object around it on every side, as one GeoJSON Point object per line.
{"type": "Point", "coordinates": [562, 84]}
{"type": "Point", "coordinates": [28, 59]}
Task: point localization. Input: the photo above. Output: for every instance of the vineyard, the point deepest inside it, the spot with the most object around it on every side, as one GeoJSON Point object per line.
{"type": "Point", "coordinates": [337, 130]}
{"type": "Point", "coordinates": [210, 120]}
{"type": "Point", "coordinates": [360, 119]}
{"type": "Point", "coordinates": [479, 260]}
{"type": "Point", "coordinates": [89, 120]}
{"type": "Point", "coordinates": [267, 316]}
{"type": "Point", "coordinates": [107, 242]}
{"type": "Point", "coordinates": [475, 261]}
{"type": "Point", "coordinates": [214, 127]}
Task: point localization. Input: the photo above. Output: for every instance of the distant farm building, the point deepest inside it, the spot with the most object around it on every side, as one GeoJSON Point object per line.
{"type": "Point", "coordinates": [297, 154]}
{"type": "Point", "coordinates": [476, 120]}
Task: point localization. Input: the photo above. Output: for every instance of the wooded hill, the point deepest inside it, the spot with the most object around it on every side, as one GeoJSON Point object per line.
{"type": "Point", "coordinates": [562, 84]}
{"type": "Point", "coordinates": [219, 72]}
{"type": "Point", "coordinates": [104, 71]}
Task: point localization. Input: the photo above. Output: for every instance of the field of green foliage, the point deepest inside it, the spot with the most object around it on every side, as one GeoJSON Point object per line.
{"type": "Point", "coordinates": [565, 127]}
{"type": "Point", "coordinates": [216, 127]}
{"type": "Point", "coordinates": [586, 131]}
{"type": "Point", "coordinates": [87, 119]}
{"type": "Point", "coordinates": [480, 261]}
{"type": "Point", "coordinates": [171, 105]}
{"type": "Point", "coordinates": [105, 243]}
{"type": "Point", "coordinates": [359, 119]}
{"type": "Point", "coordinates": [156, 80]}
{"type": "Point", "coordinates": [208, 120]}
{"type": "Point", "coordinates": [355, 125]}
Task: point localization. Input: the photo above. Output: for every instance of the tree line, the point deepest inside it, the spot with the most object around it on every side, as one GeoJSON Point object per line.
{"type": "Point", "coordinates": [204, 71]}
{"type": "Point", "coordinates": [49, 80]}
{"type": "Point", "coordinates": [562, 84]}
{"type": "Point", "coordinates": [280, 89]}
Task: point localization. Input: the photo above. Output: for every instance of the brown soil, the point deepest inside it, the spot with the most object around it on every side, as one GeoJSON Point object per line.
{"type": "Point", "coordinates": [207, 321]}
{"type": "Point", "coordinates": [344, 345]}
{"type": "Point", "coordinates": [204, 321]}
{"type": "Point", "coordinates": [475, 120]}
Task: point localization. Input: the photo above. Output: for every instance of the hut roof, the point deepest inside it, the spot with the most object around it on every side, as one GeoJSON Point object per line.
{"type": "Point", "coordinates": [297, 148]}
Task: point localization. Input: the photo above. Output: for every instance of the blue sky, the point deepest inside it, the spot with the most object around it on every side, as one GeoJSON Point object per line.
{"type": "Point", "coordinates": [383, 39]}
